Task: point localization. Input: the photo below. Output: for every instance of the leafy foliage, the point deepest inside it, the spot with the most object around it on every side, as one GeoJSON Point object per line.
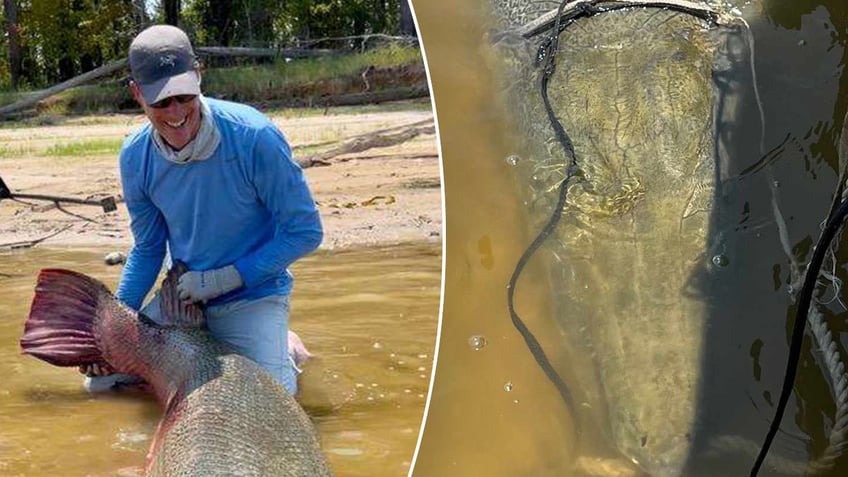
{"type": "Point", "coordinates": [60, 39]}
{"type": "Point", "coordinates": [64, 38]}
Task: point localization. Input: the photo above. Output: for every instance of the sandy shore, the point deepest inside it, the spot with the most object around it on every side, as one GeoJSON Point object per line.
{"type": "Point", "coordinates": [379, 196]}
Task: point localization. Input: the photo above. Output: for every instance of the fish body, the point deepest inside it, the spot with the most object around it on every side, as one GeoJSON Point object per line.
{"type": "Point", "coordinates": [224, 414]}
{"type": "Point", "coordinates": [634, 90]}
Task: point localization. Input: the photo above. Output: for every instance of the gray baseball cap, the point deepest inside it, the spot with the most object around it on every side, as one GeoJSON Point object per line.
{"type": "Point", "coordinates": [163, 64]}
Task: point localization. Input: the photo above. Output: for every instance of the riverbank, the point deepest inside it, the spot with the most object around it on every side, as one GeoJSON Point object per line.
{"type": "Point", "coordinates": [379, 196]}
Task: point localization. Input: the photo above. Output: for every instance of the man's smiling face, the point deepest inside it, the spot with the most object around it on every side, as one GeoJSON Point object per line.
{"type": "Point", "coordinates": [177, 122]}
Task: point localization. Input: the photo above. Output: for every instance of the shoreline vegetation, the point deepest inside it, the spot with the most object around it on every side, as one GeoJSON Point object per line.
{"type": "Point", "coordinates": [390, 72]}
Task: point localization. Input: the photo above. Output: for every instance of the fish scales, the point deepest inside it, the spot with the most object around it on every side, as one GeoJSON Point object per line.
{"type": "Point", "coordinates": [228, 432]}
{"type": "Point", "coordinates": [224, 414]}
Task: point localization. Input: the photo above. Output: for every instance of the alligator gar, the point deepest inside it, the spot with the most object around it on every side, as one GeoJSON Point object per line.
{"type": "Point", "coordinates": [634, 90]}
{"type": "Point", "coordinates": [224, 415]}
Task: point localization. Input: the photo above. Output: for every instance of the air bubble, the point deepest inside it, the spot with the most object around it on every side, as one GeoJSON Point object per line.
{"type": "Point", "coordinates": [477, 342]}
{"type": "Point", "coordinates": [720, 260]}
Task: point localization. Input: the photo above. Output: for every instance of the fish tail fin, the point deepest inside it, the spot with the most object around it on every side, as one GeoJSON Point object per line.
{"type": "Point", "coordinates": [175, 311]}
{"type": "Point", "coordinates": [60, 327]}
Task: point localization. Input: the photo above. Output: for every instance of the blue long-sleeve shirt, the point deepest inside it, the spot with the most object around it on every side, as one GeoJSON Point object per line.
{"type": "Point", "coordinates": [247, 205]}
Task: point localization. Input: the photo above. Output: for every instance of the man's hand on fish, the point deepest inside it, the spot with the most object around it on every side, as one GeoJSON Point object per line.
{"type": "Point", "coordinates": [205, 285]}
{"type": "Point", "coordinates": [95, 369]}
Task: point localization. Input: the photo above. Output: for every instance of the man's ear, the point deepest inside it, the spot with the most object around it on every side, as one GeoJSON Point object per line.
{"type": "Point", "coordinates": [135, 91]}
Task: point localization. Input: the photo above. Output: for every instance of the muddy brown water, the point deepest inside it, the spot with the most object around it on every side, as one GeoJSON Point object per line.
{"type": "Point", "coordinates": [474, 425]}
{"type": "Point", "coordinates": [369, 316]}
{"type": "Point", "coordinates": [493, 412]}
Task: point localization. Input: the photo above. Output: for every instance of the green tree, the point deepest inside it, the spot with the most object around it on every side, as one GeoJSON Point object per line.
{"type": "Point", "coordinates": [171, 10]}
{"type": "Point", "coordinates": [13, 46]}
{"type": "Point", "coordinates": [67, 37]}
{"type": "Point", "coordinates": [276, 23]}
{"type": "Point", "coordinates": [48, 41]}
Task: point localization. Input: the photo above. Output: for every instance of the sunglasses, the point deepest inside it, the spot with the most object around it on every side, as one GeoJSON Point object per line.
{"type": "Point", "coordinates": [180, 98]}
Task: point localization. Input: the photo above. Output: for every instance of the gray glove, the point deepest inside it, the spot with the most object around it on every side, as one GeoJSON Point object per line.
{"type": "Point", "coordinates": [206, 285]}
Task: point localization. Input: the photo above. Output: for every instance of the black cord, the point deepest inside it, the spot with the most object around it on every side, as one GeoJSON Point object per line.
{"type": "Point", "coordinates": [547, 53]}
{"type": "Point", "coordinates": [834, 223]}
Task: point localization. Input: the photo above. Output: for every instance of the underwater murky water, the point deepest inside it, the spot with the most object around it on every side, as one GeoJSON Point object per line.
{"type": "Point", "coordinates": [369, 316]}
{"type": "Point", "coordinates": [493, 411]}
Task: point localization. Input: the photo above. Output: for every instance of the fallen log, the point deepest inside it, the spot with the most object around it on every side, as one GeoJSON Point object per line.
{"type": "Point", "coordinates": [365, 39]}
{"type": "Point", "coordinates": [382, 138]}
{"type": "Point", "coordinates": [295, 53]}
{"type": "Point", "coordinates": [34, 98]}
{"type": "Point", "coordinates": [384, 96]}
{"type": "Point", "coordinates": [31, 243]}
{"type": "Point", "coordinates": [352, 99]}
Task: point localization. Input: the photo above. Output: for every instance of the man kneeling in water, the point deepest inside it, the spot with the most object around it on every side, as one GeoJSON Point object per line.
{"type": "Point", "coordinates": [214, 182]}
